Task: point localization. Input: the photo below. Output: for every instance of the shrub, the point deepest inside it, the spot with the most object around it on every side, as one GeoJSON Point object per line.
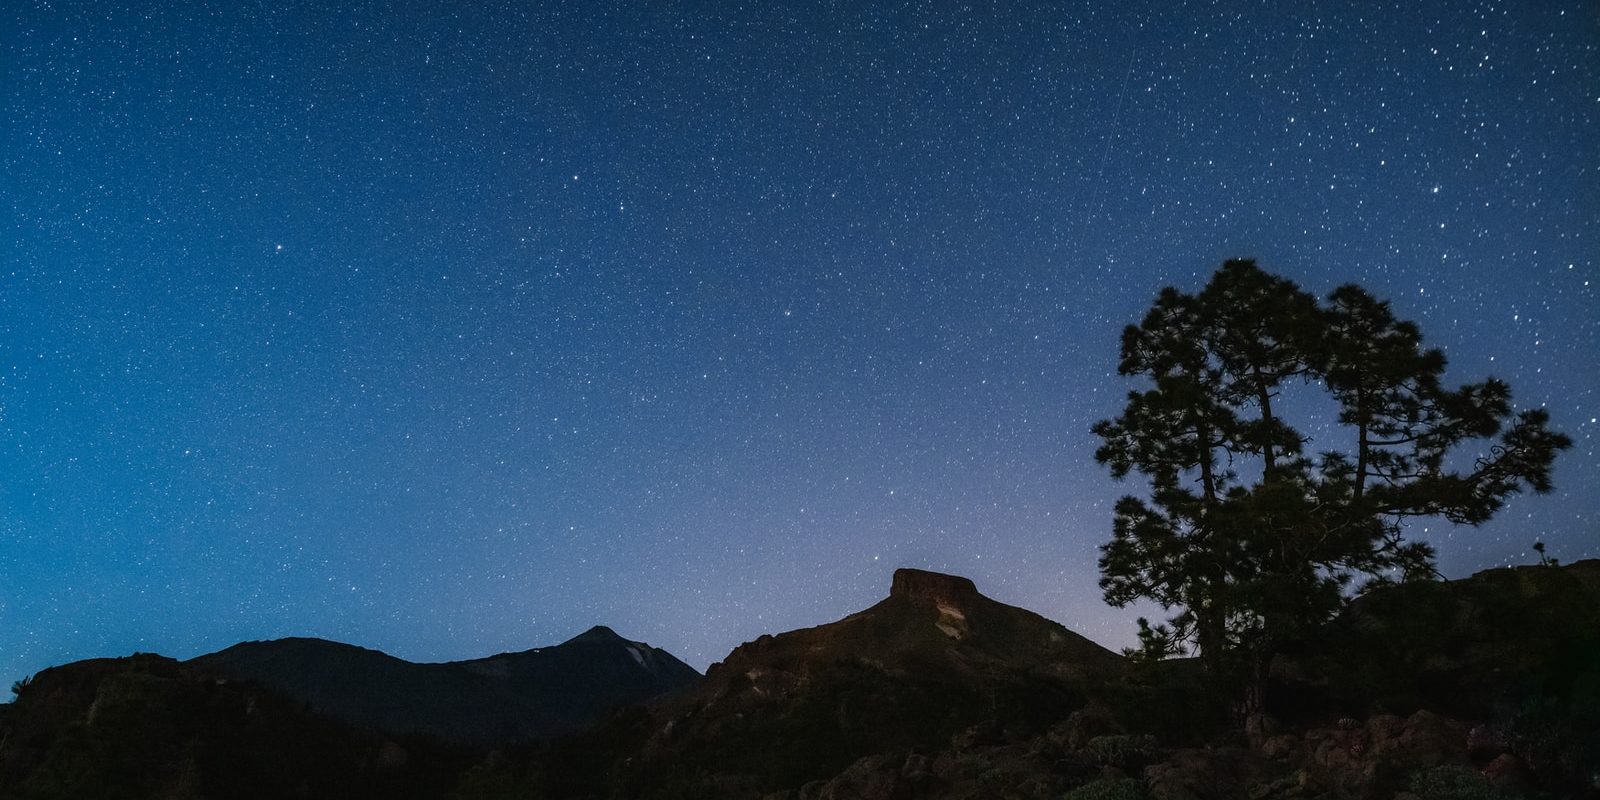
{"type": "Point", "coordinates": [1121, 750]}
{"type": "Point", "coordinates": [1123, 789]}
{"type": "Point", "coordinates": [1454, 783]}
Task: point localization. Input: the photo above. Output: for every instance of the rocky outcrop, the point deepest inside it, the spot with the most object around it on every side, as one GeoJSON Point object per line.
{"type": "Point", "coordinates": [932, 587]}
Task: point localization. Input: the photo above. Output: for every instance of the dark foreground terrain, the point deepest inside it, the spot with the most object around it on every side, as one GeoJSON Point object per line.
{"type": "Point", "coordinates": [1487, 687]}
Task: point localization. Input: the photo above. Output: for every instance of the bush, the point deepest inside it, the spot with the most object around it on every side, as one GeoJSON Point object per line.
{"type": "Point", "coordinates": [1123, 789]}
{"type": "Point", "coordinates": [1121, 750]}
{"type": "Point", "coordinates": [1454, 783]}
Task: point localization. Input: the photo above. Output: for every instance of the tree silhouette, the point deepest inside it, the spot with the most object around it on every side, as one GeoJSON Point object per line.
{"type": "Point", "coordinates": [1244, 536]}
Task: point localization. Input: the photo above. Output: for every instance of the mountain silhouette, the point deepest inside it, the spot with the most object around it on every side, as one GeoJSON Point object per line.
{"type": "Point", "coordinates": [933, 658]}
{"type": "Point", "coordinates": [146, 726]}
{"type": "Point", "coordinates": [1481, 687]}
{"type": "Point", "coordinates": [501, 698]}
{"type": "Point", "coordinates": [930, 626]}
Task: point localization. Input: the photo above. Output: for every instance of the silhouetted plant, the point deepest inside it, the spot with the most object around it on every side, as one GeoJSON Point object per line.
{"type": "Point", "coordinates": [1544, 560]}
{"type": "Point", "coordinates": [1249, 561]}
{"type": "Point", "coordinates": [1103, 789]}
{"type": "Point", "coordinates": [1454, 783]}
{"type": "Point", "coordinates": [1122, 750]}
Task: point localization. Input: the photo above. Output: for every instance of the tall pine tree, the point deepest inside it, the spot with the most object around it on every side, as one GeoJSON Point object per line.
{"type": "Point", "coordinates": [1245, 538]}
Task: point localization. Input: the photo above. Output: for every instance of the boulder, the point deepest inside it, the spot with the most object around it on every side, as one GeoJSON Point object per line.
{"type": "Point", "coordinates": [872, 778]}
{"type": "Point", "coordinates": [1430, 740]}
{"type": "Point", "coordinates": [1506, 771]}
{"type": "Point", "coordinates": [1213, 774]}
{"type": "Point", "coordinates": [1284, 745]}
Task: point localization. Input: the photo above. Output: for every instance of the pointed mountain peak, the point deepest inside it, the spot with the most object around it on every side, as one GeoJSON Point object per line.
{"type": "Point", "coordinates": [932, 587]}
{"type": "Point", "coordinates": [599, 634]}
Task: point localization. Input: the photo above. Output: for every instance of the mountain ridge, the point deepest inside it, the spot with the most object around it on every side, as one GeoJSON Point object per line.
{"type": "Point", "coordinates": [935, 692]}
{"type": "Point", "coordinates": [931, 615]}
{"type": "Point", "coordinates": [932, 658]}
{"type": "Point", "coordinates": [513, 696]}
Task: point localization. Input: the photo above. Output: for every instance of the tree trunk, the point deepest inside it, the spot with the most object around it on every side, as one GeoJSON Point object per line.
{"type": "Point", "coordinates": [1211, 614]}
{"type": "Point", "coordinates": [1361, 446]}
{"type": "Point", "coordinates": [1253, 700]}
{"type": "Point", "coordinates": [1211, 635]}
{"type": "Point", "coordinates": [1269, 456]}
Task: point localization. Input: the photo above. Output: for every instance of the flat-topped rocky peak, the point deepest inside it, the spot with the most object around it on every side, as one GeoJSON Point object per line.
{"type": "Point", "coordinates": [932, 587]}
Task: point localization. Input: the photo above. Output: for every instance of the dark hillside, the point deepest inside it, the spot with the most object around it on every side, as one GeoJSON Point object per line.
{"type": "Point", "coordinates": [508, 697]}
{"type": "Point", "coordinates": [147, 726]}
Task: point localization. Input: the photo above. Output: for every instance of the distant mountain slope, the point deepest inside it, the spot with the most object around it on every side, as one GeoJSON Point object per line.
{"type": "Point", "coordinates": [507, 697]}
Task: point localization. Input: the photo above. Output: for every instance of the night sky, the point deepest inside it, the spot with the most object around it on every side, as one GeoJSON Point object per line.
{"type": "Point", "coordinates": [450, 329]}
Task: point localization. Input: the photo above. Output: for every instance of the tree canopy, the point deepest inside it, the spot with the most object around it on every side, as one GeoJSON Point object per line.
{"type": "Point", "coordinates": [1252, 532]}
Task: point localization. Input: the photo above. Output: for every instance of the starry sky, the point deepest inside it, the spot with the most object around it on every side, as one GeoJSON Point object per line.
{"type": "Point", "coordinates": [451, 329]}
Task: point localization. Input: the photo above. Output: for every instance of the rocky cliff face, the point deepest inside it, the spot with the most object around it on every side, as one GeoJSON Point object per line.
{"type": "Point", "coordinates": [932, 587]}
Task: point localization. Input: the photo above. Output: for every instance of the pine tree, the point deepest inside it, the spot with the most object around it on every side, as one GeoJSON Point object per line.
{"type": "Point", "coordinates": [1247, 539]}
{"type": "Point", "coordinates": [1167, 549]}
